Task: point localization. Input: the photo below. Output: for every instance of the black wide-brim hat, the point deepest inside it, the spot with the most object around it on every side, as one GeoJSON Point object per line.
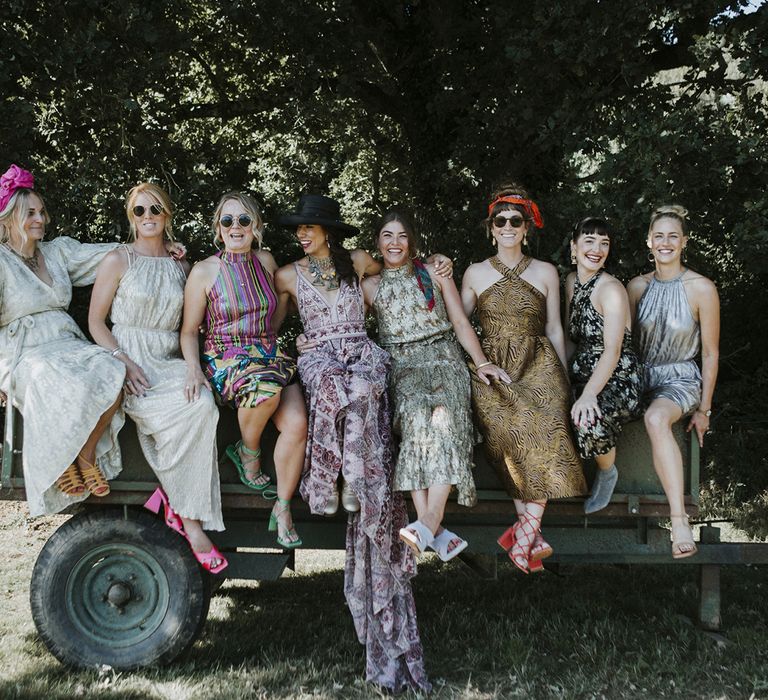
{"type": "Point", "coordinates": [320, 210]}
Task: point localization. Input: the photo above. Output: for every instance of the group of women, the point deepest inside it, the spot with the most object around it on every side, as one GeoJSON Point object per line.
{"type": "Point", "coordinates": [337, 407]}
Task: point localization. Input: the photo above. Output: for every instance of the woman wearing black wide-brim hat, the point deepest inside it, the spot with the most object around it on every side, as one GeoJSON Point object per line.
{"type": "Point", "coordinates": [344, 375]}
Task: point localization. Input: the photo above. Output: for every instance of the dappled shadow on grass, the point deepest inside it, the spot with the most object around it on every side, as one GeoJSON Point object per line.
{"type": "Point", "coordinates": [591, 632]}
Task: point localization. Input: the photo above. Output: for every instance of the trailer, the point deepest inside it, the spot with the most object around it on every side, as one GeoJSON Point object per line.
{"type": "Point", "coordinates": [113, 585]}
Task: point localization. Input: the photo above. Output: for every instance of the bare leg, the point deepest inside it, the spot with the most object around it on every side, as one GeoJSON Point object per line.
{"type": "Point", "coordinates": [437, 497]}
{"type": "Point", "coordinates": [661, 415]}
{"type": "Point", "coordinates": [290, 418]}
{"type": "Point", "coordinates": [198, 539]}
{"type": "Point", "coordinates": [88, 450]}
{"type": "Point", "coordinates": [606, 461]}
{"type": "Point", "coordinates": [252, 422]}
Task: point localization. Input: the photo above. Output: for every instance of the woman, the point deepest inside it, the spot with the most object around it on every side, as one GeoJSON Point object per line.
{"type": "Point", "coordinates": [67, 389]}
{"type": "Point", "coordinates": [676, 316]}
{"type": "Point", "coordinates": [344, 379]}
{"type": "Point", "coordinates": [604, 371]}
{"type": "Point", "coordinates": [417, 313]}
{"type": "Point", "coordinates": [141, 287]}
{"type": "Point", "coordinates": [232, 296]}
{"type": "Point", "coordinates": [525, 424]}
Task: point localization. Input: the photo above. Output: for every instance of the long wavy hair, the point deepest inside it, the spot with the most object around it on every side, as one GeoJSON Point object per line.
{"type": "Point", "coordinates": [15, 213]}
{"type": "Point", "coordinates": [342, 259]}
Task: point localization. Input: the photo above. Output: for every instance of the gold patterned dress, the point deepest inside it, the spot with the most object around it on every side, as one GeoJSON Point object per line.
{"type": "Point", "coordinates": [525, 424]}
{"type": "Point", "coordinates": [429, 386]}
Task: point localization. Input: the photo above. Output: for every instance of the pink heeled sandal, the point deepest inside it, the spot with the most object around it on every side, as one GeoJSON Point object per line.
{"type": "Point", "coordinates": [158, 500]}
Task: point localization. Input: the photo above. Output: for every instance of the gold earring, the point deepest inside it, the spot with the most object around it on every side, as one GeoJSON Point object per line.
{"type": "Point", "coordinates": [573, 258]}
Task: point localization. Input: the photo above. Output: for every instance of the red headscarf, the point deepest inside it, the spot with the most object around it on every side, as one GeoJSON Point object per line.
{"type": "Point", "coordinates": [531, 210]}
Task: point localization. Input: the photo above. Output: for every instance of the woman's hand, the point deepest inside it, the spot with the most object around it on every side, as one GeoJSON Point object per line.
{"type": "Point", "coordinates": [195, 379]}
{"type": "Point", "coordinates": [699, 421]}
{"type": "Point", "coordinates": [585, 411]}
{"type": "Point", "coordinates": [3, 398]}
{"type": "Point", "coordinates": [178, 251]}
{"type": "Point", "coordinates": [136, 382]}
{"type": "Point", "coordinates": [303, 344]}
{"type": "Point", "coordinates": [489, 372]}
{"type": "Point", "coordinates": [443, 264]}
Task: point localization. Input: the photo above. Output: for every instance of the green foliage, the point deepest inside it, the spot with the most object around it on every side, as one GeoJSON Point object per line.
{"type": "Point", "coordinates": [597, 107]}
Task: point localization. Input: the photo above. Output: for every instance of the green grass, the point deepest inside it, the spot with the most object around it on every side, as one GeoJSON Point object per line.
{"type": "Point", "coordinates": [593, 632]}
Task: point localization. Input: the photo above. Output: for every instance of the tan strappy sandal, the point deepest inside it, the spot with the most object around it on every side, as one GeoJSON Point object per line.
{"type": "Point", "coordinates": [684, 546]}
{"type": "Point", "coordinates": [70, 482]}
{"type": "Point", "coordinates": [93, 478]}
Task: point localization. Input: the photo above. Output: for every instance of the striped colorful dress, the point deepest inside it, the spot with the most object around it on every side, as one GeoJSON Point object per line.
{"type": "Point", "coordinates": [240, 356]}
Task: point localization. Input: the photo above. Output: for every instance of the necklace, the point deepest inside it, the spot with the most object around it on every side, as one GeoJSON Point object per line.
{"type": "Point", "coordinates": [30, 261]}
{"type": "Point", "coordinates": [323, 273]}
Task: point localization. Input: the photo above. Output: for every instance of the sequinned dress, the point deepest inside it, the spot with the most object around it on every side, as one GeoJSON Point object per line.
{"type": "Point", "coordinates": [62, 384]}
{"type": "Point", "coordinates": [178, 437]}
{"type": "Point", "coordinates": [619, 398]}
{"type": "Point", "coordinates": [241, 356]}
{"type": "Point", "coordinates": [429, 386]}
{"type": "Point", "coordinates": [668, 341]}
{"type": "Point", "coordinates": [344, 382]}
{"type": "Point", "coordinates": [525, 424]}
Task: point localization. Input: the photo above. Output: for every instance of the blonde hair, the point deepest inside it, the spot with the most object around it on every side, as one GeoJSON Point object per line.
{"type": "Point", "coordinates": [160, 196]}
{"type": "Point", "coordinates": [672, 211]}
{"type": "Point", "coordinates": [507, 189]}
{"type": "Point", "coordinates": [15, 213]}
{"type": "Point", "coordinates": [251, 207]}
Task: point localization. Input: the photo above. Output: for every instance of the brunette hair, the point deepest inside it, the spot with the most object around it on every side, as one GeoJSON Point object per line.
{"type": "Point", "coordinates": [15, 212]}
{"type": "Point", "coordinates": [342, 259]}
{"type": "Point", "coordinates": [251, 207]}
{"type": "Point", "coordinates": [407, 223]}
{"type": "Point", "coordinates": [673, 211]}
{"type": "Point", "coordinates": [160, 196]}
{"type": "Point", "coordinates": [594, 225]}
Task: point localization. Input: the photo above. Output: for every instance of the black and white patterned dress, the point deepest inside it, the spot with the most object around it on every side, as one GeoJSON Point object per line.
{"type": "Point", "coordinates": [620, 397]}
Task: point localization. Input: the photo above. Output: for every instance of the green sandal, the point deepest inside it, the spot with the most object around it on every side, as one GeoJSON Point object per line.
{"type": "Point", "coordinates": [233, 452]}
{"type": "Point", "coordinates": [275, 524]}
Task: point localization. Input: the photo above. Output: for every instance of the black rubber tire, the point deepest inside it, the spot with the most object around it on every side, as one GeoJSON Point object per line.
{"type": "Point", "coordinates": [167, 596]}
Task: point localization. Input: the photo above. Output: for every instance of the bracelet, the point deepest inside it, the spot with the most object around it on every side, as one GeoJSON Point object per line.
{"type": "Point", "coordinates": [117, 351]}
{"type": "Point", "coordinates": [483, 364]}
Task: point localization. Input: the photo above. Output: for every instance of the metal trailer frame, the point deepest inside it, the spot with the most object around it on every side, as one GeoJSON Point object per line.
{"type": "Point", "coordinates": [629, 531]}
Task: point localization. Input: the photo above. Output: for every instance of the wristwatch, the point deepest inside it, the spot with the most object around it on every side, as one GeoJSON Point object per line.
{"type": "Point", "coordinates": [707, 413]}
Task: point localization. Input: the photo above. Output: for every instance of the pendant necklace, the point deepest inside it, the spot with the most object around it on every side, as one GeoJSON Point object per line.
{"type": "Point", "coordinates": [323, 273]}
{"type": "Point", "coordinates": [30, 261]}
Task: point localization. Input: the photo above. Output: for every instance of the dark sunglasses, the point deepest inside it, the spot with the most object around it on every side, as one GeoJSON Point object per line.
{"type": "Point", "coordinates": [514, 221]}
{"type": "Point", "coordinates": [244, 220]}
{"type": "Point", "coordinates": [155, 209]}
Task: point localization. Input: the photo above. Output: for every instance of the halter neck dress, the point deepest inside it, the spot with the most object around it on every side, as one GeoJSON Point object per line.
{"type": "Point", "coordinates": [60, 382]}
{"type": "Point", "coordinates": [668, 342]}
{"type": "Point", "coordinates": [619, 398]}
{"type": "Point", "coordinates": [178, 437]}
{"type": "Point", "coordinates": [344, 381]}
{"type": "Point", "coordinates": [241, 356]}
{"type": "Point", "coordinates": [526, 424]}
{"type": "Point", "coordinates": [429, 387]}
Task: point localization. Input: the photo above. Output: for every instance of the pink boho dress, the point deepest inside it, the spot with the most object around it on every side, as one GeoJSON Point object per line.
{"type": "Point", "coordinates": [345, 384]}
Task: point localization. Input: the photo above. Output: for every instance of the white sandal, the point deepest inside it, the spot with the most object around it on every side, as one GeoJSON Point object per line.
{"type": "Point", "coordinates": [442, 543]}
{"type": "Point", "coordinates": [417, 536]}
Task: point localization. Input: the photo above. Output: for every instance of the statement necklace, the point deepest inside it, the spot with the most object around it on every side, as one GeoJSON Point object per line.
{"type": "Point", "coordinates": [30, 261]}
{"type": "Point", "coordinates": [323, 272]}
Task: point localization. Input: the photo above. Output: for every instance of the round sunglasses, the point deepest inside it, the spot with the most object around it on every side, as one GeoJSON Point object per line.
{"type": "Point", "coordinates": [227, 220]}
{"type": "Point", "coordinates": [155, 210]}
{"type": "Point", "coordinates": [513, 221]}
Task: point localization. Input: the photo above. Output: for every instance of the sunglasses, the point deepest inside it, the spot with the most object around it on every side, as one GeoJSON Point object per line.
{"type": "Point", "coordinates": [513, 221]}
{"type": "Point", "coordinates": [155, 209]}
{"type": "Point", "coordinates": [227, 220]}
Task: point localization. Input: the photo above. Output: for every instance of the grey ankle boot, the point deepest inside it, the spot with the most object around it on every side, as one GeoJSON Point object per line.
{"type": "Point", "coordinates": [602, 490]}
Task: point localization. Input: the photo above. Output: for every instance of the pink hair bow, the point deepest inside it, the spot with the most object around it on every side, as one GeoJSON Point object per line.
{"type": "Point", "coordinates": [13, 179]}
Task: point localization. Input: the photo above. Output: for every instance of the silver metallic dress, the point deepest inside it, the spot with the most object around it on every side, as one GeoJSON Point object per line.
{"type": "Point", "coordinates": [668, 340]}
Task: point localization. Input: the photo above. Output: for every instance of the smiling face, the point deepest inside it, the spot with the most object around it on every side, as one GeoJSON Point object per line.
{"type": "Point", "coordinates": [591, 251]}
{"type": "Point", "coordinates": [393, 244]}
{"type": "Point", "coordinates": [512, 233]}
{"type": "Point", "coordinates": [148, 224]}
{"type": "Point", "coordinates": [236, 237]}
{"type": "Point", "coordinates": [34, 218]}
{"type": "Point", "coordinates": [666, 240]}
{"type": "Point", "coordinates": [313, 240]}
